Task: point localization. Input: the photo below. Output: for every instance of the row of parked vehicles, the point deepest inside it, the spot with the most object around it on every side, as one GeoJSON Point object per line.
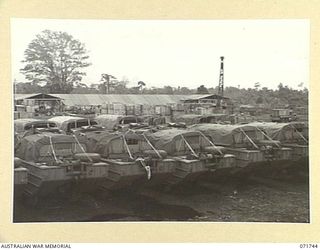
{"type": "Point", "coordinates": [66, 154]}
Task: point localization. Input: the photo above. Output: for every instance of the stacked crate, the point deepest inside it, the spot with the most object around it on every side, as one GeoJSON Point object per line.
{"type": "Point", "coordinates": [164, 110]}
{"type": "Point", "coordinates": [118, 109]}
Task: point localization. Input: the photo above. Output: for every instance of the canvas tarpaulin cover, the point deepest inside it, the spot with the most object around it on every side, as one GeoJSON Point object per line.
{"type": "Point", "coordinates": [302, 127]}
{"type": "Point", "coordinates": [21, 125]}
{"type": "Point", "coordinates": [280, 131]}
{"type": "Point", "coordinates": [108, 121]}
{"type": "Point", "coordinates": [188, 119]}
{"type": "Point", "coordinates": [228, 134]}
{"type": "Point", "coordinates": [69, 122]}
{"type": "Point", "coordinates": [194, 119]}
{"type": "Point", "coordinates": [108, 143]}
{"type": "Point", "coordinates": [38, 147]}
{"type": "Point", "coordinates": [171, 140]}
{"type": "Point", "coordinates": [97, 141]}
{"type": "Point", "coordinates": [111, 121]}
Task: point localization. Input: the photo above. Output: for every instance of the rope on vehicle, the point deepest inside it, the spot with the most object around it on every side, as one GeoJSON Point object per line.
{"type": "Point", "coordinates": [76, 139]}
{"type": "Point", "coordinates": [276, 134]}
{"type": "Point", "coordinates": [268, 137]}
{"type": "Point", "coordinates": [127, 147]}
{"type": "Point", "coordinates": [191, 149]}
{"type": "Point", "coordinates": [154, 149]}
{"type": "Point", "coordinates": [301, 135]}
{"type": "Point", "coordinates": [145, 166]}
{"type": "Point", "coordinates": [249, 139]}
{"type": "Point", "coordinates": [180, 145]}
{"type": "Point", "coordinates": [52, 148]}
{"type": "Point", "coordinates": [210, 142]}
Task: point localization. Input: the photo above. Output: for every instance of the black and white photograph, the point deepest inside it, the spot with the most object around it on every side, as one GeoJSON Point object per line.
{"type": "Point", "coordinates": [160, 120]}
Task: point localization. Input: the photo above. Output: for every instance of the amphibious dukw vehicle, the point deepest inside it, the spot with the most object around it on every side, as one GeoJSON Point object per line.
{"type": "Point", "coordinates": [193, 152]}
{"type": "Point", "coordinates": [249, 144]}
{"type": "Point", "coordinates": [69, 124]}
{"type": "Point", "coordinates": [131, 159]}
{"type": "Point", "coordinates": [23, 125]}
{"type": "Point", "coordinates": [153, 120]}
{"type": "Point", "coordinates": [20, 178]}
{"type": "Point", "coordinates": [289, 135]}
{"type": "Point", "coordinates": [190, 119]}
{"type": "Point", "coordinates": [56, 162]}
{"type": "Point", "coordinates": [114, 122]}
{"type": "Point", "coordinates": [303, 128]}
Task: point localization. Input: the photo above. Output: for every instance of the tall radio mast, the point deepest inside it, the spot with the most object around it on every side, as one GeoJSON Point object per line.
{"type": "Point", "coordinates": [221, 78]}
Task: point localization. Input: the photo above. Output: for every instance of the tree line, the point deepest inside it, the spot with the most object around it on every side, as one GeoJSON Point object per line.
{"type": "Point", "coordinates": [54, 62]}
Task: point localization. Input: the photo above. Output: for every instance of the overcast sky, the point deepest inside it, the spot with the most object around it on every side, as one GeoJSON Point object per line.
{"type": "Point", "coordinates": [182, 53]}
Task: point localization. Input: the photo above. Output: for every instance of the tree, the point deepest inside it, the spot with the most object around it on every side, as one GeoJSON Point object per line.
{"type": "Point", "coordinates": [202, 90]}
{"type": "Point", "coordinates": [185, 91]}
{"type": "Point", "coordinates": [55, 59]}
{"type": "Point", "coordinates": [107, 82]}
{"type": "Point", "coordinates": [28, 88]}
{"type": "Point", "coordinates": [168, 90]}
{"type": "Point", "coordinates": [280, 86]}
{"type": "Point", "coordinates": [259, 100]}
{"type": "Point", "coordinates": [121, 87]}
{"type": "Point", "coordinates": [141, 84]}
{"type": "Point", "coordinates": [257, 85]}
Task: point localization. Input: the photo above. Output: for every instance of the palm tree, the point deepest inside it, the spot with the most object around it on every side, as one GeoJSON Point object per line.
{"type": "Point", "coordinates": [140, 85]}
{"type": "Point", "coordinates": [106, 81]}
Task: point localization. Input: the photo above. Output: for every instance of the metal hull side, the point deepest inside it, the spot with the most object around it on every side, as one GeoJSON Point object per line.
{"type": "Point", "coordinates": [245, 157]}
{"type": "Point", "coordinates": [20, 176]}
{"type": "Point", "coordinates": [298, 151]}
{"type": "Point", "coordinates": [122, 174]}
{"type": "Point", "coordinates": [46, 180]}
{"type": "Point", "coordinates": [187, 171]}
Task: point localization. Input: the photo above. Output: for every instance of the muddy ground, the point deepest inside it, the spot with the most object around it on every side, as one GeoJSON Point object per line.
{"type": "Point", "coordinates": [253, 196]}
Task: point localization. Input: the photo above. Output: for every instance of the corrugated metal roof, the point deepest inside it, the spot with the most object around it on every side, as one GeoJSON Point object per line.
{"type": "Point", "coordinates": [96, 99]}
{"type": "Point", "coordinates": [34, 96]}
{"type": "Point", "coordinates": [24, 96]}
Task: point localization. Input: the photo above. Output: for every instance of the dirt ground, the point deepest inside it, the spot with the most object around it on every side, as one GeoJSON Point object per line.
{"type": "Point", "coordinates": [255, 196]}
